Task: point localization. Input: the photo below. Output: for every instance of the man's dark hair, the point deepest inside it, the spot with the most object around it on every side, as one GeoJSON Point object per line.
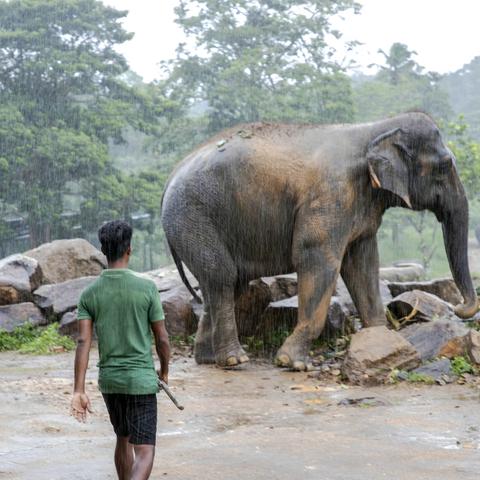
{"type": "Point", "coordinates": [115, 238]}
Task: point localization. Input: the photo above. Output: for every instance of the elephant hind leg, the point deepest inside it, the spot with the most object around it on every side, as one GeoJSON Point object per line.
{"type": "Point", "coordinates": [205, 254]}
{"type": "Point", "coordinates": [226, 346]}
{"type": "Point", "coordinates": [204, 337]}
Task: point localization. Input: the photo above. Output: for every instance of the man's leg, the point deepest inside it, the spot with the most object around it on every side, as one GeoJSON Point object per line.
{"type": "Point", "coordinates": [117, 410]}
{"type": "Point", "coordinates": [143, 463]}
{"type": "Point", "coordinates": [142, 425]}
{"type": "Point", "coordinates": [123, 458]}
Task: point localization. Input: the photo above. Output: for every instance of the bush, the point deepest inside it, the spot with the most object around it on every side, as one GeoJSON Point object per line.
{"type": "Point", "coordinates": [34, 340]}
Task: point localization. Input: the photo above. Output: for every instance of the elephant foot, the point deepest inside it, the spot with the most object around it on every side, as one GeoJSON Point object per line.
{"type": "Point", "coordinates": [231, 357]}
{"type": "Point", "coordinates": [292, 358]}
{"type": "Point", "coordinates": [203, 352]}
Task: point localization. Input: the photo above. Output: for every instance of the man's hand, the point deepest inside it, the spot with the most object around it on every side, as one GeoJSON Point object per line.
{"type": "Point", "coordinates": [162, 376]}
{"type": "Point", "coordinates": [80, 406]}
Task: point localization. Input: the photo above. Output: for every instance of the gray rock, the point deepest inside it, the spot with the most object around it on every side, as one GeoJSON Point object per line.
{"type": "Point", "coordinates": [343, 295]}
{"type": "Point", "coordinates": [58, 298]}
{"type": "Point", "coordinates": [167, 278]}
{"type": "Point", "coordinates": [12, 316]}
{"type": "Point", "coordinates": [180, 318]}
{"type": "Point", "coordinates": [63, 260]}
{"type": "Point", "coordinates": [427, 306]}
{"type": "Point", "coordinates": [472, 343]}
{"type": "Point", "coordinates": [374, 352]}
{"type": "Point", "coordinates": [437, 370]}
{"type": "Point", "coordinates": [430, 338]}
{"type": "Point", "coordinates": [69, 324]}
{"type": "Point", "coordinates": [19, 276]}
{"type": "Point", "coordinates": [283, 315]}
{"type": "Point", "coordinates": [407, 272]}
{"type": "Point", "coordinates": [250, 306]}
{"type": "Point", "coordinates": [281, 286]}
{"type": "Point", "coordinates": [443, 288]}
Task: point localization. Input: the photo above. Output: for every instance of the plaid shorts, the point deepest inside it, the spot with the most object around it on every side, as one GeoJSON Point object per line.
{"type": "Point", "coordinates": [133, 416]}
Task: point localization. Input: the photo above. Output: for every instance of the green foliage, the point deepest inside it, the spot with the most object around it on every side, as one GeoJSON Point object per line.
{"type": "Point", "coordinates": [62, 102]}
{"type": "Point", "coordinates": [463, 87]}
{"type": "Point", "coordinates": [35, 340]}
{"type": "Point", "coordinates": [400, 86]}
{"type": "Point", "coordinates": [461, 365]}
{"type": "Point", "coordinates": [20, 335]}
{"type": "Point", "coordinates": [467, 154]}
{"type": "Point", "coordinates": [260, 61]}
{"type": "Point", "coordinates": [414, 377]}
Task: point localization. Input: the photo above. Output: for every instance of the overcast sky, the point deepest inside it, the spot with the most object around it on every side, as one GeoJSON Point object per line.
{"type": "Point", "coordinates": [444, 33]}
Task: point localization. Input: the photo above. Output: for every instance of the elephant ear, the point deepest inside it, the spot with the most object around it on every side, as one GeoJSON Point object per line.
{"type": "Point", "coordinates": [386, 165]}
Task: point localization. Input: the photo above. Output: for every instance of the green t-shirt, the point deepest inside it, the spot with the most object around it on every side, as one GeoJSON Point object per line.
{"type": "Point", "coordinates": [122, 306]}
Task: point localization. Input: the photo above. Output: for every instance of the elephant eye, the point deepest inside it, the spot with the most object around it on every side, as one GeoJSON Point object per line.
{"type": "Point", "coordinates": [444, 165]}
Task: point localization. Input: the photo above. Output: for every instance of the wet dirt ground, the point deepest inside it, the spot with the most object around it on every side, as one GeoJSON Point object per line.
{"type": "Point", "coordinates": [257, 423]}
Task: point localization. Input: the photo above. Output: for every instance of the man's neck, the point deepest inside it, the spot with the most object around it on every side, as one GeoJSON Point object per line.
{"type": "Point", "coordinates": [118, 264]}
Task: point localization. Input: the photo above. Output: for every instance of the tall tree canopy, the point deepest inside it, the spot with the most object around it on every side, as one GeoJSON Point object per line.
{"type": "Point", "coordinates": [250, 60]}
{"type": "Point", "coordinates": [400, 85]}
{"type": "Point", "coordinates": [61, 102]}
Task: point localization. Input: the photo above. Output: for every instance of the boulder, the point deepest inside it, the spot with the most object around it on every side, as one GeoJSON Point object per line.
{"type": "Point", "coordinates": [167, 278]}
{"type": "Point", "coordinates": [69, 324]}
{"type": "Point", "coordinates": [281, 286]}
{"type": "Point", "coordinates": [343, 295]}
{"type": "Point", "coordinates": [250, 306]}
{"type": "Point", "coordinates": [374, 352]}
{"type": "Point", "coordinates": [19, 276]}
{"type": "Point", "coordinates": [63, 260]}
{"type": "Point", "coordinates": [443, 288]}
{"type": "Point", "coordinates": [431, 339]}
{"type": "Point", "coordinates": [420, 306]}
{"type": "Point", "coordinates": [438, 370]}
{"type": "Point", "coordinates": [180, 318]}
{"type": "Point", "coordinates": [12, 316]}
{"type": "Point", "coordinates": [406, 272]}
{"type": "Point", "coordinates": [278, 316]}
{"type": "Point", "coordinates": [283, 315]}
{"type": "Point", "coordinates": [472, 344]}
{"type": "Point", "coordinates": [58, 298]}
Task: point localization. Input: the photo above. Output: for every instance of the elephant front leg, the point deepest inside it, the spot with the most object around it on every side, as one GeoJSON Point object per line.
{"type": "Point", "coordinates": [360, 273]}
{"type": "Point", "coordinates": [317, 275]}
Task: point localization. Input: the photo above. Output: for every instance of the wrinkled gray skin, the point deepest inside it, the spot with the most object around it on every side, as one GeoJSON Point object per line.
{"type": "Point", "coordinates": [280, 198]}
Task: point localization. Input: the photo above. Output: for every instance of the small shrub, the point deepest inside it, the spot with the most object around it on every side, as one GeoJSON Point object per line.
{"type": "Point", "coordinates": [19, 336]}
{"type": "Point", "coordinates": [49, 341]}
{"type": "Point", "coordinates": [462, 365]}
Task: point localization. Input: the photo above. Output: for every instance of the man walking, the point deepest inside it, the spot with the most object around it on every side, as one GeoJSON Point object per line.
{"type": "Point", "coordinates": [124, 309]}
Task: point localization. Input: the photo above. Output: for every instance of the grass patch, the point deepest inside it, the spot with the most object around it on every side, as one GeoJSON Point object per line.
{"type": "Point", "coordinates": [415, 377]}
{"type": "Point", "coordinates": [461, 365]}
{"type": "Point", "coordinates": [35, 340]}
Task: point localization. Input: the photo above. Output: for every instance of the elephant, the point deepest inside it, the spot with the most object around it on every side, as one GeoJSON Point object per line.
{"type": "Point", "coordinates": [265, 199]}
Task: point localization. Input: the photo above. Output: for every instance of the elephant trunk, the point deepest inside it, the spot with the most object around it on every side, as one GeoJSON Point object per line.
{"type": "Point", "coordinates": [455, 235]}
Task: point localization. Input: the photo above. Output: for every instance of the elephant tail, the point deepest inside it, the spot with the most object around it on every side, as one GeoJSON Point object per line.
{"type": "Point", "coordinates": [181, 271]}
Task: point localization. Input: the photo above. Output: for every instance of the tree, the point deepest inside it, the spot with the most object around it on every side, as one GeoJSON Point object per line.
{"type": "Point", "coordinates": [463, 87]}
{"type": "Point", "coordinates": [62, 102]}
{"type": "Point", "coordinates": [251, 60]}
{"type": "Point", "coordinates": [399, 86]}
{"type": "Point", "coordinates": [399, 62]}
{"type": "Point", "coordinates": [467, 155]}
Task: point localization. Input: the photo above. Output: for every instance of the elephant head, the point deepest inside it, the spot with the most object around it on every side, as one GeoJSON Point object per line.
{"type": "Point", "coordinates": [412, 167]}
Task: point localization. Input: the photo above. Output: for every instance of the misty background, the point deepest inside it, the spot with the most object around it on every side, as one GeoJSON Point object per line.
{"type": "Point", "coordinates": [100, 100]}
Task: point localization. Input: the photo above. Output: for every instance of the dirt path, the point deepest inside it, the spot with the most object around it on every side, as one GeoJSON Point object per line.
{"type": "Point", "coordinates": [259, 423]}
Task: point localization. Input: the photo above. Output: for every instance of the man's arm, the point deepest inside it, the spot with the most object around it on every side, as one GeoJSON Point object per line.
{"type": "Point", "coordinates": [80, 400]}
{"type": "Point", "coordinates": [162, 345]}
